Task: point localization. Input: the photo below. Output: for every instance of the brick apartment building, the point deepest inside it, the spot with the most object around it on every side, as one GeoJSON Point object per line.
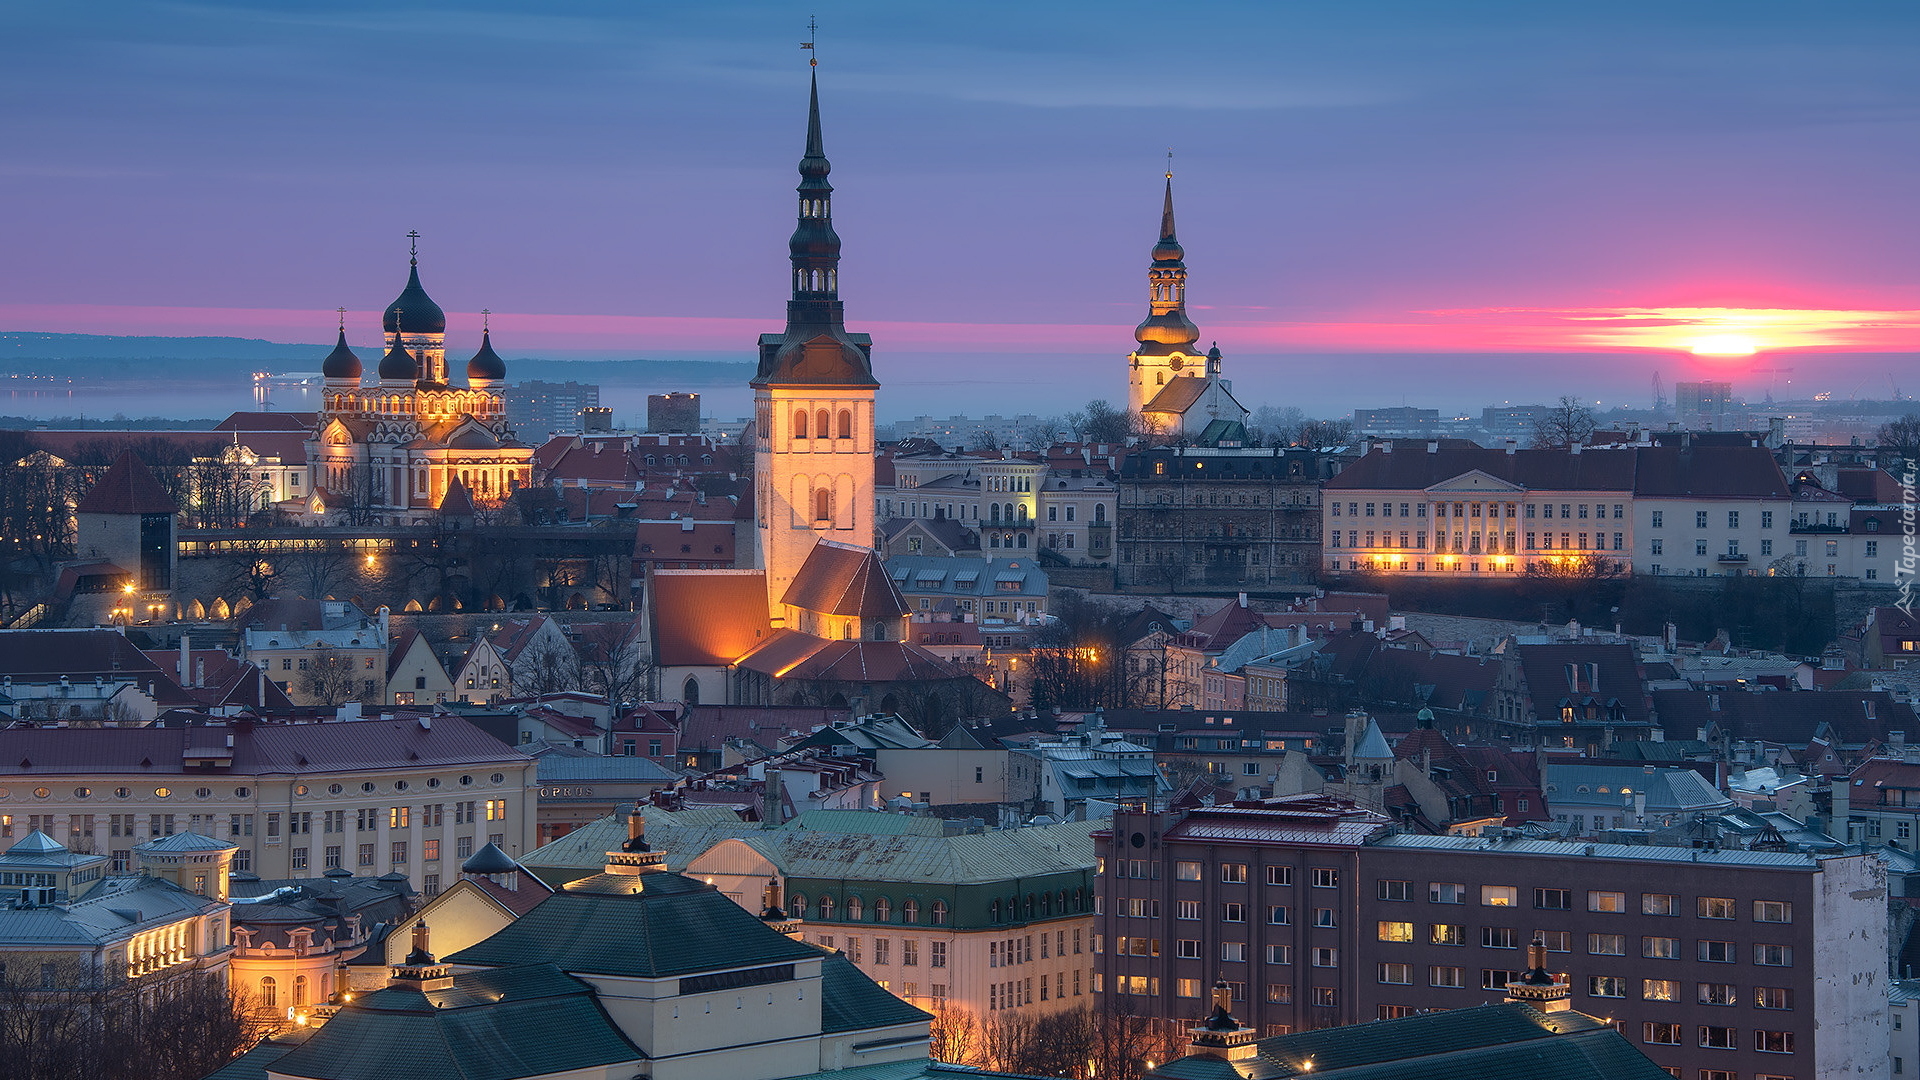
{"type": "Point", "coordinates": [1717, 964]}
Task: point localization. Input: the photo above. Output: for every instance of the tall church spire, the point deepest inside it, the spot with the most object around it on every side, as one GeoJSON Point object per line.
{"type": "Point", "coordinates": [816, 347]}
{"type": "Point", "coordinates": [1166, 328]}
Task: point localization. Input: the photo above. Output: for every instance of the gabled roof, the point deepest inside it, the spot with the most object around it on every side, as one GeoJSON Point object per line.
{"type": "Point", "coordinates": [1226, 625]}
{"type": "Point", "coordinates": [707, 618]}
{"type": "Point", "coordinates": [128, 487]}
{"type": "Point", "coordinates": [1792, 717]}
{"type": "Point", "coordinates": [841, 579]}
{"type": "Point", "coordinates": [1178, 396]}
{"type": "Point", "coordinates": [456, 502]}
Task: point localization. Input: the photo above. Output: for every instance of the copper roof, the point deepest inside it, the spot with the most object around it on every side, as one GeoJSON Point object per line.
{"type": "Point", "coordinates": [840, 579]}
{"type": "Point", "coordinates": [707, 618]}
{"type": "Point", "coordinates": [127, 488]}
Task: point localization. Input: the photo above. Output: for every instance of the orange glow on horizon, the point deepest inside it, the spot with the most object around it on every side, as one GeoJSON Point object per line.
{"type": "Point", "coordinates": [1725, 345]}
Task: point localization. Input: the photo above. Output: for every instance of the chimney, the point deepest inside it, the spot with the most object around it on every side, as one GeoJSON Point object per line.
{"type": "Point", "coordinates": [1512, 446]}
{"type": "Point", "coordinates": [1386, 446]}
{"type": "Point", "coordinates": [771, 804]}
{"type": "Point", "coordinates": [200, 672]}
{"type": "Point", "coordinates": [1574, 447]}
{"type": "Point", "coordinates": [1243, 599]}
{"type": "Point", "coordinates": [186, 655]}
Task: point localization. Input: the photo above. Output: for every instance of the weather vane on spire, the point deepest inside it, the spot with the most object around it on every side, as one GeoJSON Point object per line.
{"type": "Point", "coordinates": [486, 320]}
{"type": "Point", "coordinates": [343, 319]}
{"type": "Point", "coordinates": [413, 247]}
{"type": "Point", "coordinates": [1169, 162]}
{"type": "Point", "coordinates": [813, 26]}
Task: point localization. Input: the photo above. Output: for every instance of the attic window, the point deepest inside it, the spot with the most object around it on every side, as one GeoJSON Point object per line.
{"type": "Point", "coordinates": [1583, 789]}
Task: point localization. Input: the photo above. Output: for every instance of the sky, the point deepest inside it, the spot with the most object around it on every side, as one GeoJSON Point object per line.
{"type": "Point", "coordinates": [1380, 201]}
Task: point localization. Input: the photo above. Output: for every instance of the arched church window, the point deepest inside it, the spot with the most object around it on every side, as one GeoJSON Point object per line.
{"type": "Point", "coordinates": [269, 993]}
{"type": "Point", "coordinates": [822, 505]}
{"type": "Point", "coordinates": [1023, 539]}
{"type": "Point", "coordinates": [690, 691]}
{"type": "Point", "coordinates": [822, 425]}
{"type": "Point", "coordinates": [846, 423]}
{"type": "Point", "coordinates": [799, 424]}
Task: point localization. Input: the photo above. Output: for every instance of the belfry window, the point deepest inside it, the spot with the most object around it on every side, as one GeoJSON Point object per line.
{"type": "Point", "coordinates": [822, 505]}
{"type": "Point", "coordinates": [799, 424]}
{"type": "Point", "coordinates": [846, 423]}
{"type": "Point", "coordinates": [823, 425]}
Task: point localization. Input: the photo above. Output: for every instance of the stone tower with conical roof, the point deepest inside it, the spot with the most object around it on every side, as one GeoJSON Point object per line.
{"type": "Point", "coordinates": [813, 398]}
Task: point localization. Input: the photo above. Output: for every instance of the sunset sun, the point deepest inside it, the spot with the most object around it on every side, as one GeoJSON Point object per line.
{"type": "Point", "coordinates": [1725, 345]}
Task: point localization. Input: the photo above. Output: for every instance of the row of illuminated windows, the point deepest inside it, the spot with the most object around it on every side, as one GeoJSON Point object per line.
{"type": "Point", "coordinates": [1510, 511]}
{"type": "Point", "coordinates": [1546, 899]}
{"type": "Point", "coordinates": [1653, 948]}
{"type": "Point", "coordinates": [1716, 1038]}
{"type": "Point", "coordinates": [883, 951]}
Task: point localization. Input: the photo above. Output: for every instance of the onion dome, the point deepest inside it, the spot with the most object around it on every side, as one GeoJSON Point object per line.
{"type": "Point", "coordinates": [1171, 328]}
{"type": "Point", "coordinates": [414, 312]}
{"type": "Point", "coordinates": [398, 365]}
{"type": "Point", "coordinates": [342, 362]}
{"type": "Point", "coordinates": [486, 364]}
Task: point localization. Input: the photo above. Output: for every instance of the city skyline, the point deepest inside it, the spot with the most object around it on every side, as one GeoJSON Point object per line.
{"type": "Point", "coordinates": [1680, 190]}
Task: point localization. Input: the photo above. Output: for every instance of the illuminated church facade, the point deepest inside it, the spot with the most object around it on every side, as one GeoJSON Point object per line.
{"type": "Point", "coordinates": [390, 446]}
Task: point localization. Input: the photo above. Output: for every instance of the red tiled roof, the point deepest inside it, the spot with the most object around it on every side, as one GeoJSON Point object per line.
{"type": "Point", "coordinates": [1226, 625]}
{"type": "Point", "coordinates": [703, 541]}
{"type": "Point", "coordinates": [840, 579]}
{"type": "Point", "coordinates": [286, 749]}
{"type": "Point", "coordinates": [706, 727]}
{"type": "Point", "coordinates": [873, 661]}
{"type": "Point", "coordinates": [127, 488]}
{"type": "Point", "coordinates": [707, 618]}
{"type": "Point", "coordinates": [519, 901]}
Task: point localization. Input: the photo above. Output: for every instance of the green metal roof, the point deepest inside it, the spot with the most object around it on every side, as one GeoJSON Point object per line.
{"type": "Point", "coordinates": [644, 926]}
{"type": "Point", "coordinates": [871, 822]}
{"type": "Point", "coordinates": [490, 1025]}
{"type": "Point", "coordinates": [886, 856]}
{"type": "Point", "coordinates": [851, 1001]}
{"type": "Point", "coordinates": [1503, 1041]}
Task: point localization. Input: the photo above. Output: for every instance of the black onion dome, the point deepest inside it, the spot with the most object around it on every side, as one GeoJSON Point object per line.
{"type": "Point", "coordinates": [342, 362]}
{"type": "Point", "coordinates": [486, 364]}
{"type": "Point", "coordinates": [414, 312]}
{"type": "Point", "coordinates": [398, 364]}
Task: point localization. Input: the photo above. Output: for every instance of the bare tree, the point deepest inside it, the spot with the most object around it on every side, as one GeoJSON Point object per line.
{"type": "Point", "coordinates": [62, 1021]}
{"type": "Point", "coordinates": [954, 1035]}
{"type": "Point", "coordinates": [1324, 434]}
{"type": "Point", "coordinates": [614, 662]}
{"type": "Point", "coordinates": [332, 678]}
{"type": "Point", "coordinates": [252, 567]}
{"type": "Point", "coordinates": [1566, 423]}
{"type": "Point", "coordinates": [1900, 439]}
{"type": "Point", "coordinates": [320, 569]}
{"type": "Point", "coordinates": [546, 667]}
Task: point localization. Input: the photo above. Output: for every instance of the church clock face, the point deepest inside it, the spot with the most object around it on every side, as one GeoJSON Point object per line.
{"type": "Point", "coordinates": [1176, 362]}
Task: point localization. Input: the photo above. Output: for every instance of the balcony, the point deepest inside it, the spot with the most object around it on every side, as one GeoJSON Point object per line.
{"type": "Point", "coordinates": [1733, 560]}
{"type": "Point", "coordinates": [1804, 528]}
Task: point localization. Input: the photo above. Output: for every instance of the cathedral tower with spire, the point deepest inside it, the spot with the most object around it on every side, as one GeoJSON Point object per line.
{"type": "Point", "coordinates": [813, 399]}
{"type": "Point", "coordinates": [1171, 384]}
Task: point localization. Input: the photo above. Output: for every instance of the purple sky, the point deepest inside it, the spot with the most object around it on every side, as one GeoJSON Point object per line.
{"type": "Point", "coordinates": [617, 180]}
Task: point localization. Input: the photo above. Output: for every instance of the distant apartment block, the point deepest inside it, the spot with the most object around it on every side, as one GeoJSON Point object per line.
{"type": "Point", "coordinates": [1317, 913]}
{"type": "Point", "coordinates": [537, 409]}
{"type": "Point", "coordinates": [1402, 420]}
{"type": "Point", "coordinates": [1705, 403]}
